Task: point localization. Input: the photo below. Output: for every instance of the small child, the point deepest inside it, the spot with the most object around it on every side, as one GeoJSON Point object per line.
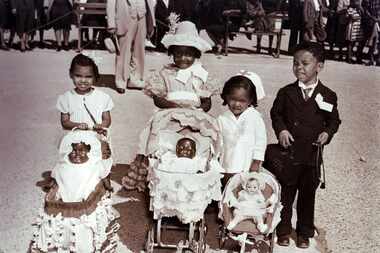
{"type": "Point", "coordinates": [184, 83]}
{"type": "Point", "coordinates": [251, 204]}
{"type": "Point", "coordinates": [242, 127]}
{"type": "Point", "coordinates": [78, 213]}
{"type": "Point", "coordinates": [85, 107]}
{"type": "Point", "coordinates": [303, 113]}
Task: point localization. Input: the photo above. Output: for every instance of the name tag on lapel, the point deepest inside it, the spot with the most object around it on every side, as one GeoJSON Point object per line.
{"type": "Point", "coordinates": [322, 104]}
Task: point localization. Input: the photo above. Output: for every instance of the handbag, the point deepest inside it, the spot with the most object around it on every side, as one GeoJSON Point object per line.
{"type": "Point", "coordinates": [279, 161]}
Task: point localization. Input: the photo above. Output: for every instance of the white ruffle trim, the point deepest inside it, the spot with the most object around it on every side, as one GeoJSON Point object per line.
{"type": "Point", "coordinates": [183, 195]}
{"type": "Point", "coordinates": [84, 234]}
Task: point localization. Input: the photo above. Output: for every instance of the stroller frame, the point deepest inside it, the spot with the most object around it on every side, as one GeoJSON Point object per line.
{"type": "Point", "coordinates": [195, 230]}
{"type": "Point", "coordinates": [254, 241]}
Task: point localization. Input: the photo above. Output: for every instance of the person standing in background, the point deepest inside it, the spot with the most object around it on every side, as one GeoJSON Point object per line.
{"type": "Point", "coordinates": [296, 23]}
{"type": "Point", "coordinates": [24, 14]}
{"type": "Point", "coordinates": [61, 11]}
{"type": "Point", "coordinates": [3, 24]}
{"type": "Point", "coordinates": [132, 21]}
{"type": "Point", "coordinates": [41, 20]}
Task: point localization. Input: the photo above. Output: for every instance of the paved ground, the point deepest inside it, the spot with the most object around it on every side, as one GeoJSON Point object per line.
{"type": "Point", "coordinates": [348, 210]}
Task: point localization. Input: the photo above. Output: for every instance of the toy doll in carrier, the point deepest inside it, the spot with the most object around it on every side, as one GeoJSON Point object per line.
{"type": "Point", "coordinates": [184, 174]}
{"type": "Point", "coordinates": [250, 210]}
{"type": "Point", "coordinates": [78, 214]}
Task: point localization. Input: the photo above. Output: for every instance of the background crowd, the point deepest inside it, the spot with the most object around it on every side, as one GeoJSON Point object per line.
{"type": "Point", "coordinates": [350, 26]}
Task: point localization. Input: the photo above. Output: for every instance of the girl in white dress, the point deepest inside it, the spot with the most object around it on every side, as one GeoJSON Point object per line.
{"type": "Point", "coordinates": [84, 107]}
{"type": "Point", "coordinates": [242, 127]}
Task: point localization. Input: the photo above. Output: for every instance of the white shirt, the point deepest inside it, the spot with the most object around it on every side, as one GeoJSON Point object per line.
{"type": "Point", "coordinates": [312, 87]}
{"type": "Point", "coordinates": [96, 101]}
{"type": "Point", "coordinates": [244, 139]}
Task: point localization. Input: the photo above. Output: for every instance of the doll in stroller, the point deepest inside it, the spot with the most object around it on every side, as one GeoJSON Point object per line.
{"type": "Point", "coordinates": [250, 210]}
{"type": "Point", "coordinates": [184, 176]}
{"type": "Point", "coordinates": [77, 215]}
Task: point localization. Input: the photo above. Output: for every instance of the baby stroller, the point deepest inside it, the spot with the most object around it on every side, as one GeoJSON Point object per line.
{"type": "Point", "coordinates": [246, 235]}
{"type": "Point", "coordinates": [182, 188]}
{"type": "Point", "coordinates": [77, 215]}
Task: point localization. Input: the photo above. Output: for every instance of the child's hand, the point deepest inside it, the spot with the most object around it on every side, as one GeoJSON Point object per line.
{"type": "Point", "coordinates": [255, 166]}
{"type": "Point", "coordinates": [285, 138]}
{"type": "Point", "coordinates": [322, 138]}
{"type": "Point", "coordinates": [83, 126]}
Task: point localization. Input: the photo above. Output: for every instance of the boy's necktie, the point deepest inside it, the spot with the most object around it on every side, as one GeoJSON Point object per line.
{"type": "Point", "coordinates": [306, 92]}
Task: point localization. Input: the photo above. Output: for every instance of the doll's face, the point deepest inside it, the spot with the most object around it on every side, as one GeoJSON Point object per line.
{"type": "Point", "coordinates": [186, 148]}
{"type": "Point", "coordinates": [252, 186]}
{"type": "Point", "coordinates": [79, 153]}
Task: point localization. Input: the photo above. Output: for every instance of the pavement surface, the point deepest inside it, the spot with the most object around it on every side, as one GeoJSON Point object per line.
{"type": "Point", "coordinates": [347, 211]}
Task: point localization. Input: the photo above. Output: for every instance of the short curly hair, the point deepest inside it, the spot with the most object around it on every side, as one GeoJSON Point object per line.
{"type": "Point", "coordinates": [316, 49]}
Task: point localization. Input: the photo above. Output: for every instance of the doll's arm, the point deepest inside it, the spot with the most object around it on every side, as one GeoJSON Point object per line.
{"type": "Point", "coordinates": [69, 125]}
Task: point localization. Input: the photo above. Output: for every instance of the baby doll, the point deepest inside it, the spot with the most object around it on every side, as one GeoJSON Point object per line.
{"type": "Point", "coordinates": [77, 212]}
{"type": "Point", "coordinates": [184, 160]}
{"type": "Point", "coordinates": [77, 175]}
{"type": "Point", "coordinates": [251, 205]}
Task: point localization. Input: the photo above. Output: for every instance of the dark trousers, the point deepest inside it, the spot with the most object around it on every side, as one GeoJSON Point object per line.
{"type": "Point", "coordinates": [305, 182]}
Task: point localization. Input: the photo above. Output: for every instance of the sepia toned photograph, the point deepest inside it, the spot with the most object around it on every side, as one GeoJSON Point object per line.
{"type": "Point", "coordinates": [205, 126]}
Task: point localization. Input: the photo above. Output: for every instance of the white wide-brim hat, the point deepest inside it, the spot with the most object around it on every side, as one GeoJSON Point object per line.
{"type": "Point", "coordinates": [186, 34]}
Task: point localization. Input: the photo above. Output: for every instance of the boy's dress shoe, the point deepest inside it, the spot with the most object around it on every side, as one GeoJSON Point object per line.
{"type": "Point", "coordinates": [283, 240]}
{"type": "Point", "coordinates": [302, 243]}
{"type": "Point", "coordinates": [120, 90]}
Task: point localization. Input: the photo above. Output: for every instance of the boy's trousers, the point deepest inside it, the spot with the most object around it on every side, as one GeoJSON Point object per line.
{"type": "Point", "coordinates": [132, 53]}
{"type": "Point", "coordinates": [305, 181]}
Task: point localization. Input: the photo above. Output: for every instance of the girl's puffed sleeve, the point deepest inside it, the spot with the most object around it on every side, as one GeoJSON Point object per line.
{"type": "Point", "coordinates": [209, 88]}
{"type": "Point", "coordinates": [63, 104]}
{"type": "Point", "coordinates": [155, 85]}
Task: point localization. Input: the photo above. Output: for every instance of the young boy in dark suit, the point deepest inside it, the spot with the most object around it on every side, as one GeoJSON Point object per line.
{"type": "Point", "coordinates": [303, 113]}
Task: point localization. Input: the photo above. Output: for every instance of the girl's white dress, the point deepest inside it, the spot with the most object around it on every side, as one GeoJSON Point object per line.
{"type": "Point", "coordinates": [73, 103]}
{"type": "Point", "coordinates": [244, 139]}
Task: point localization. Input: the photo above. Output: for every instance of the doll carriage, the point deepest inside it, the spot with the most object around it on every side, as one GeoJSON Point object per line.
{"type": "Point", "coordinates": [88, 225]}
{"type": "Point", "coordinates": [246, 235]}
{"type": "Point", "coordinates": [180, 192]}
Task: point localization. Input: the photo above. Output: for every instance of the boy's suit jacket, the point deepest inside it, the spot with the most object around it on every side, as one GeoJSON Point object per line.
{"type": "Point", "coordinates": [304, 119]}
{"type": "Point", "coordinates": [118, 16]}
